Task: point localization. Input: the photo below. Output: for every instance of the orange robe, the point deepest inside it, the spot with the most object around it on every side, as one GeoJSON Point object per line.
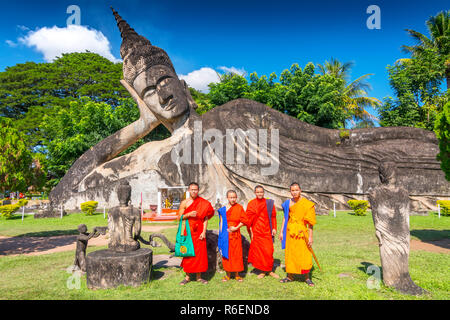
{"type": "Point", "coordinates": [298, 258]}
{"type": "Point", "coordinates": [260, 254]}
{"type": "Point", "coordinates": [199, 263]}
{"type": "Point", "coordinates": [235, 262]}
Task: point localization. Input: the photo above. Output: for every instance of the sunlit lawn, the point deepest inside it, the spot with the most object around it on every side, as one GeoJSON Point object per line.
{"type": "Point", "coordinates": [344, 245]}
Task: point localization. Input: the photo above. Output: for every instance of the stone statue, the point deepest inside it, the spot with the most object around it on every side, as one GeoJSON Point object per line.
{"type": "Point", "coordinates": [124, 222]}
{"type": "Point", "coordinates": [124, 262]}
{"type": "Point", "coordinates": [390, 210]}
{"type": "Point", "coordinates": [82, 243]}
{"type": "Point", "coordinates": [330, 168]}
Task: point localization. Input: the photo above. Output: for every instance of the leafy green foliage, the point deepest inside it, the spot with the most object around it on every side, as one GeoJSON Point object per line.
{"type": "Point", "coordinates": [359, 206]}
{"type": "Point", "coordinates": [445, 207]}
{"type": "Point", "coordinates": [316, 99]}
{"type": "Point", "coordinates": [73, 130]}
{"type": "Point", "coordinates": [442, 130]}
{"type": "Point", "coordinates": [8, 210]}
{"type": "Point", "coordinates": [19, 168]}
{"type": "Point", "coordinates": [89, 207]}
{"type": "Point", "coordinates": [417, 81]}
{"type": "Point", "coordinates": [31, 90]}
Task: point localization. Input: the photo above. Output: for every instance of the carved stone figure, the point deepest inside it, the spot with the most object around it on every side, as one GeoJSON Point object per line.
{"type": "Point", "coordinates": [390, 210]}
{"type": "Point", "coordinates": [124, 222]}
{"type": "Point", "coordinates": [329, 168]}
{"type": "Point", "coordinates": [82, 243]}
{"type": "Point", "coordinates": [124, 263]}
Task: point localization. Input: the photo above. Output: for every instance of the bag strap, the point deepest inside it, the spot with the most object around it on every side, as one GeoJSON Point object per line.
{"type": "Point", "coordinates": [269, 206]}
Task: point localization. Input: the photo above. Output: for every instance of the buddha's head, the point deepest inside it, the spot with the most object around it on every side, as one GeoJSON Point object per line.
{"type": "Point", "coordinates": [387, 172]}
{"type": "Point", "coordinates": [150, 72]}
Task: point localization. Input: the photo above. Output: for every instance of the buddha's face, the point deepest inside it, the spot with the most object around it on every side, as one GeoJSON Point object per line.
{"type": "Point", "coordinates": [162, 92]}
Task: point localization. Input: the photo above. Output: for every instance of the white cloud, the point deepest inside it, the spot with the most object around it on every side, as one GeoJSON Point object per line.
{"type": "Point", "coordinates": [11, 43]}
{"type": "Point", "coordinates": [199, 79]}
{"type": "Point", "coordinates": [52, 42]}
{"type": "Point", "coordinates": [240, 72]}
{"type": "Point", "coordinates": [23, 28]}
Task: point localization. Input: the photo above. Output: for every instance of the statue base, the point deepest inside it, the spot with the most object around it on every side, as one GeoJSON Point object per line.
{"type": "Point", "coordinates": [109, 269]}
{"type": "Point", "coordinates": [55, 213]}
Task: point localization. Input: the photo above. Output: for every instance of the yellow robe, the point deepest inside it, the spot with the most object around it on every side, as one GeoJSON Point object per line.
{"type": "Point", "coordinates": [298, 258]}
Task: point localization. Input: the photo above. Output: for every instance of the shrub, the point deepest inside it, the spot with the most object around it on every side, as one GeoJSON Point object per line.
{"type": "Point", "coordinates": [8, 210]}
{"type": "Point", "coordinates": [445, 207]}
{"type": "Point", "coordinates": [359, 206]}
{"type": "Point", "coordinates": [344, 134]}
{"type": "Point", "coordinates": [89, 207]}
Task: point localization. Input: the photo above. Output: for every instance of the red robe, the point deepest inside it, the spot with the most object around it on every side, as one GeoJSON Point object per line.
{"type": "Point", "coordinates": [199, 263]}
{"type": "Point", "coordinates": [260, 254]}
{"type": "Point", "coordinates": [234, 263]}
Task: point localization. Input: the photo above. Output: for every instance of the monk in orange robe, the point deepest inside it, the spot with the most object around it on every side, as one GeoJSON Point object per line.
{"type": "Point", "coordinates": [197, 210]}
{"type": "Point", "coordinates": [232, 260]}
{"type": "Point", "coordinates": [297, 228]}
{"type": "Point", "coordinates": [262, 230]}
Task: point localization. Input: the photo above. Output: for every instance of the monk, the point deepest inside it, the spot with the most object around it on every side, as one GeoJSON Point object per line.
{"type": "Point", "coordinates": [297, 228]}
{"type": "Point", "coordinates": [230, 241]}
{"type": "Point", "coordinates": [261, 222]}
{"type": "Point", "coordinates": [198, 211]}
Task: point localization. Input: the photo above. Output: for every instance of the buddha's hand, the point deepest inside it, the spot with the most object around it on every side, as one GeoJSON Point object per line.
{"type": "Point", "coordinates": [232, 229]}
{"type": "Point", "coordinates": [202, 235]}
{"type": "Point", "coordinates": [280, 236]}
{"type": "Point", "coordinates": [143, 108]}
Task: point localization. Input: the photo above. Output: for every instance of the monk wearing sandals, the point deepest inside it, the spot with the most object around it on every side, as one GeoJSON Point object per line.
{"type": "Point", "coordinates": [296, 235]}
{"type": "Point", "coordinates": [198, 211]}
{"type": "Point", "coordinates": [230, 241]}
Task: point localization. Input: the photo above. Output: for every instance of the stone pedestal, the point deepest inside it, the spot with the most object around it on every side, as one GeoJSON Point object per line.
{"type": "Point", "coordinates": [109, 269]}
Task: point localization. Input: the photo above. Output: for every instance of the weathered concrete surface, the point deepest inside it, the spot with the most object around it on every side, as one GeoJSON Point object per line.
{"type": "Point", "coordinates": [390, 211]}
{"type": "Point", "coordinates": [109, 269]}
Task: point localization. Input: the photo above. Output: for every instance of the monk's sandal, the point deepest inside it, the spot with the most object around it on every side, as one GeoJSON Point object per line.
{"type": "Point", "coordinates": [286, 280]}
{"type": "Point", "coordinates": [225, 278]}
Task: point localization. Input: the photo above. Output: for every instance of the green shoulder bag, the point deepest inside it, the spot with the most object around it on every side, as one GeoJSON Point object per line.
{"type": "Point", "coordinates": [184, 247]}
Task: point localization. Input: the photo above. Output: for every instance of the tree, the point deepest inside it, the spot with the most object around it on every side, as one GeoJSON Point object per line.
{"type": "Point", "coordinates": [18, 168]}
{"type": "Point", "coordinates": [416, 83]}
{"type": "Point", "coordinates": [442, 130]}
{"type": "Point", "coordinates": [73, 130]}
{"type": "Point", "coordinates": [30, 90]}
{"type": "Point", "coordinates": [354, 93]}
{"type": "Point", "coordinates": [299, 93]}
{"type": "Point", "coordinates": [439, 41]}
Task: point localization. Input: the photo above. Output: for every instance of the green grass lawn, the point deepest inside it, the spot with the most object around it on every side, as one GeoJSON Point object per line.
{"type": "Point", "coordinates": [344, 245]}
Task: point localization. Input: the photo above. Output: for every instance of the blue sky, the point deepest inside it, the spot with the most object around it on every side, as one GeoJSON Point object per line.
{"type": "Point", "coordinates": [254, 36]}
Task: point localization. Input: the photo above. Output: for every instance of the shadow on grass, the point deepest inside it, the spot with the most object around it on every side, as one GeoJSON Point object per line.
{"type": "Point", "coordinates": [434, 237]}
{"type": "Point", "coordinates": [372, 271]}
{"type": "Point", "coordinates": [52, 233]}
{"type": "Point", "coordinates": [36, 242]}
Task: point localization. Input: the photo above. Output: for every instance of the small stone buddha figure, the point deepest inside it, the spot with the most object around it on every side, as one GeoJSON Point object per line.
{"type": "Point", "coordinates": [124, 222]}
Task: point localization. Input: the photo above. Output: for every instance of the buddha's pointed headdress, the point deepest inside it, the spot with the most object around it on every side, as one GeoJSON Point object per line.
{"type": "Point", "coordinates": [137, 52]}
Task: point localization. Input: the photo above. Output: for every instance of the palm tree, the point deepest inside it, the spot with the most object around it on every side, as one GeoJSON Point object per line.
{"type": "Point", "coordinates": [439, 40]}
{"type": "Point", "coordinates": [355, 92]}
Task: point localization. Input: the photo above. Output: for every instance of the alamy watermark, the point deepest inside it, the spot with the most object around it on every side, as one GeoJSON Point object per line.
{"type": "Point", "coordinates": [374, 20]}
{"type": "Point", "coordinates": [241, 147]}
{"type": "Point", "coordinates": [375, 279]}
{"type": "Point", "coordinates": [74, 281]}
{"type": "Point", "coordinates": [75, 18]}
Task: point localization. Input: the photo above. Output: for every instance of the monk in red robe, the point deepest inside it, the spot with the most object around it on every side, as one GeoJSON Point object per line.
{"type": "Point", "coordinates": [262, 231]}
{"type": "Point", "coordinates": [198, 211]}
{"type": "Point", "coordinates": [234, 262]}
